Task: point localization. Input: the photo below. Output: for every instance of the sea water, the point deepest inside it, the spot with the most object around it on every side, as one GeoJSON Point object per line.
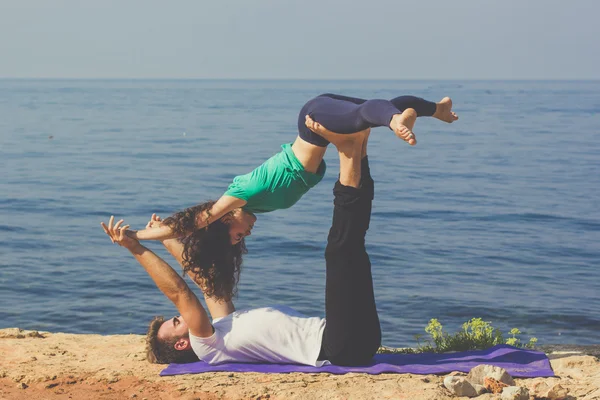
{"type": "Point", "coordinates": [494, 216]}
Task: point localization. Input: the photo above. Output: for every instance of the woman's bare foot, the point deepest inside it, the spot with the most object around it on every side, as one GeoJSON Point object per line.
{"type": "Point", "coordinates": [402, 125]}
{"type": "Point", "coordinates": [443, 111]}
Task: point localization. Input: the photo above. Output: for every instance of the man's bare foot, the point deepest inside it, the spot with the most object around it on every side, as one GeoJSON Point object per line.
{"type": "Point", "coordinates": [443, 111]}
{"type": "Point", "coordinates": [402, 125]}
{"type": "Point", "coordinates": [344, 142]}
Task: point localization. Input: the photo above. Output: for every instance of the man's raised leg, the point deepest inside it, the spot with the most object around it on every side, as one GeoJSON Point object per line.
{"type": "Point", "coordinates": [352, 333]}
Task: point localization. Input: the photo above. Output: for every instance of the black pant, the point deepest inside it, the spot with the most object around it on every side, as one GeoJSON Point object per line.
{"type": "Point", "coordinates": [352, 333]}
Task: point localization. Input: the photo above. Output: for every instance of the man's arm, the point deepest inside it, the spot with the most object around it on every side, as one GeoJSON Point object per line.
{"type": "Point", "coordinates": [217, 308]}
{"type": "Point", "coordinates": [166, 279]}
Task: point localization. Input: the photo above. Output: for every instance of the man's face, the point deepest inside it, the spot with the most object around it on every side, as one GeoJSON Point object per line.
{"type": "Point", "coordinates": [174, 327]}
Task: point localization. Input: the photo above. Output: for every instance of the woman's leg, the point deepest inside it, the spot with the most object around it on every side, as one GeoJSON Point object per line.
{"type": "Point", "coordinates": [424, 108]}
{"type": "Point", "coordinates": [344, 115]}
{"type": "Point", "coordinates": [352, 333]}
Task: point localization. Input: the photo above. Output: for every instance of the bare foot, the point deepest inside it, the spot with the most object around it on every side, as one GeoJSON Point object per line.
{"type": "Point", "coordinates": [443, 111]}
{"type": "Point", "coordinates": [343, 142]}
{"type": "Point", "coordinates": [402, 125]}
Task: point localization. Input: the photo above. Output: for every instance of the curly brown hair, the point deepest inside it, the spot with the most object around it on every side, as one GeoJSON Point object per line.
{"type": "Point", "coordinates": [208, 253]}
{"type": "Point", "coordinates": [163, 351]}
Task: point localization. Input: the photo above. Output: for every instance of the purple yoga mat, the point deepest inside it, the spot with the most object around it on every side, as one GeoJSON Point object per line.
{"type": "Point", "coordinates": [519, 363]}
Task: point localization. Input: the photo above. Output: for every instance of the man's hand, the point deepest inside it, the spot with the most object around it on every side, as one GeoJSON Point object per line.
{"type": "Point", "coordinates": [117, 235]}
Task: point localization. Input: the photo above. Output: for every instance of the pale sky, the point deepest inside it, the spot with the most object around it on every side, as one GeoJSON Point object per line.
{"type": "Point", "coordinates": [311, 39]}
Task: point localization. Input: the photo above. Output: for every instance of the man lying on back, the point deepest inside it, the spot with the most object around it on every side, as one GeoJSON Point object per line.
{"type": "Point", "coordinates": [349, 335]}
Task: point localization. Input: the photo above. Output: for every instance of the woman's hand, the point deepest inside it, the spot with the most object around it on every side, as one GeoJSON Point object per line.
{"type": "Point", "coordinates": [155, 230]}
{"type": "Point", "coordinates": [155, 222]}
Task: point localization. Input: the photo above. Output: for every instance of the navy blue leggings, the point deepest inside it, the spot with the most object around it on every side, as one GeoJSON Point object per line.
{"type": "Point", "coordinates": [341, 114]}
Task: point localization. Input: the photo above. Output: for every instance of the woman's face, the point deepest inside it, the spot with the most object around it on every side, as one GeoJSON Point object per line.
{"type": "Point", "coordinates": [240, 225]}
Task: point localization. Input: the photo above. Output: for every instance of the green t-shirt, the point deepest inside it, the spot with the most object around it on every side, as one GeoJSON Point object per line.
{"type": "Point", "coordinates": [278, 183]}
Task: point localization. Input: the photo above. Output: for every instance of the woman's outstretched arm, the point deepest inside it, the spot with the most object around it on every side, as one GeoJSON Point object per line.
{"type": "Point", "coordinates": [187, 221]}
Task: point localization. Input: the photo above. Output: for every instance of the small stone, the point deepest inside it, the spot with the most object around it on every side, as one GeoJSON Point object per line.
{"type": "Point", "coordinates": [425, 380]}
{"type": "Point", "coordinates": [459, 386]}
{"type": "Point", "coordinates": [22, 385]}
{"type": "Point", "coordinates": [478, 373]}
{"type": "Point", "coordinates": [133, 396]}
{"type": "Point", "coordinates": [557, 392]}
{"type": "Point", "coordinates": [51, 385]}
{"type": "Point", "coordinates": [515, 393]}
{"type": "Point", "coordinates": [539, 389]}
{"type": "Point", "coordinates": [33, 359]}
{"type": "Point", "coordinates": [493, 386]}
{"type": "Point", "coordinates": [479, 389]}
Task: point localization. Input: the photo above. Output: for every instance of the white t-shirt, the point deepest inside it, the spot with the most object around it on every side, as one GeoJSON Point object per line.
{"type": "Point", "coordinates": [278, 334]}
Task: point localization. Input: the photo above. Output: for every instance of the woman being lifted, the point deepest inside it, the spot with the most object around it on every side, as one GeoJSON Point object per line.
{"type": "Point", "coordinates": [213, 232]}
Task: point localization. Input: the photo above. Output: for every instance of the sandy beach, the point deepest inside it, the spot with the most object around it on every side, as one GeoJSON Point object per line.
{"type": "Point", "coordinates": [41, 365]}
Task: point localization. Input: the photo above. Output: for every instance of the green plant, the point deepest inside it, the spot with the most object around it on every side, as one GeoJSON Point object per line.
{"type": "Point", "coordinates": [515, 341]}
{"type": "Point", "coordinates": [476, 334]}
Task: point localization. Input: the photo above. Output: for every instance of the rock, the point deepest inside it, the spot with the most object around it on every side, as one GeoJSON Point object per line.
{"type": "Point", "coordinates": [557, 392]}
{"type": "Point", "coordinates": [493, 386]}
{"type": "Point", "coordinates": [515, 393]}
{"type": "Point", "coordinates": [574, 362]}
{"type": "Point", "coordinates": [563, 350]}
{"type": "Point", "coordinates": [459, 386]}
{"type": "Point", "coordinates": [539, 389]}
{"type": "Point", "coordinates": [22, 385]}
{"type": "Point", "coordinates": [478, 373]}
{"type": "Point", "coordinates": [479, 389]}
